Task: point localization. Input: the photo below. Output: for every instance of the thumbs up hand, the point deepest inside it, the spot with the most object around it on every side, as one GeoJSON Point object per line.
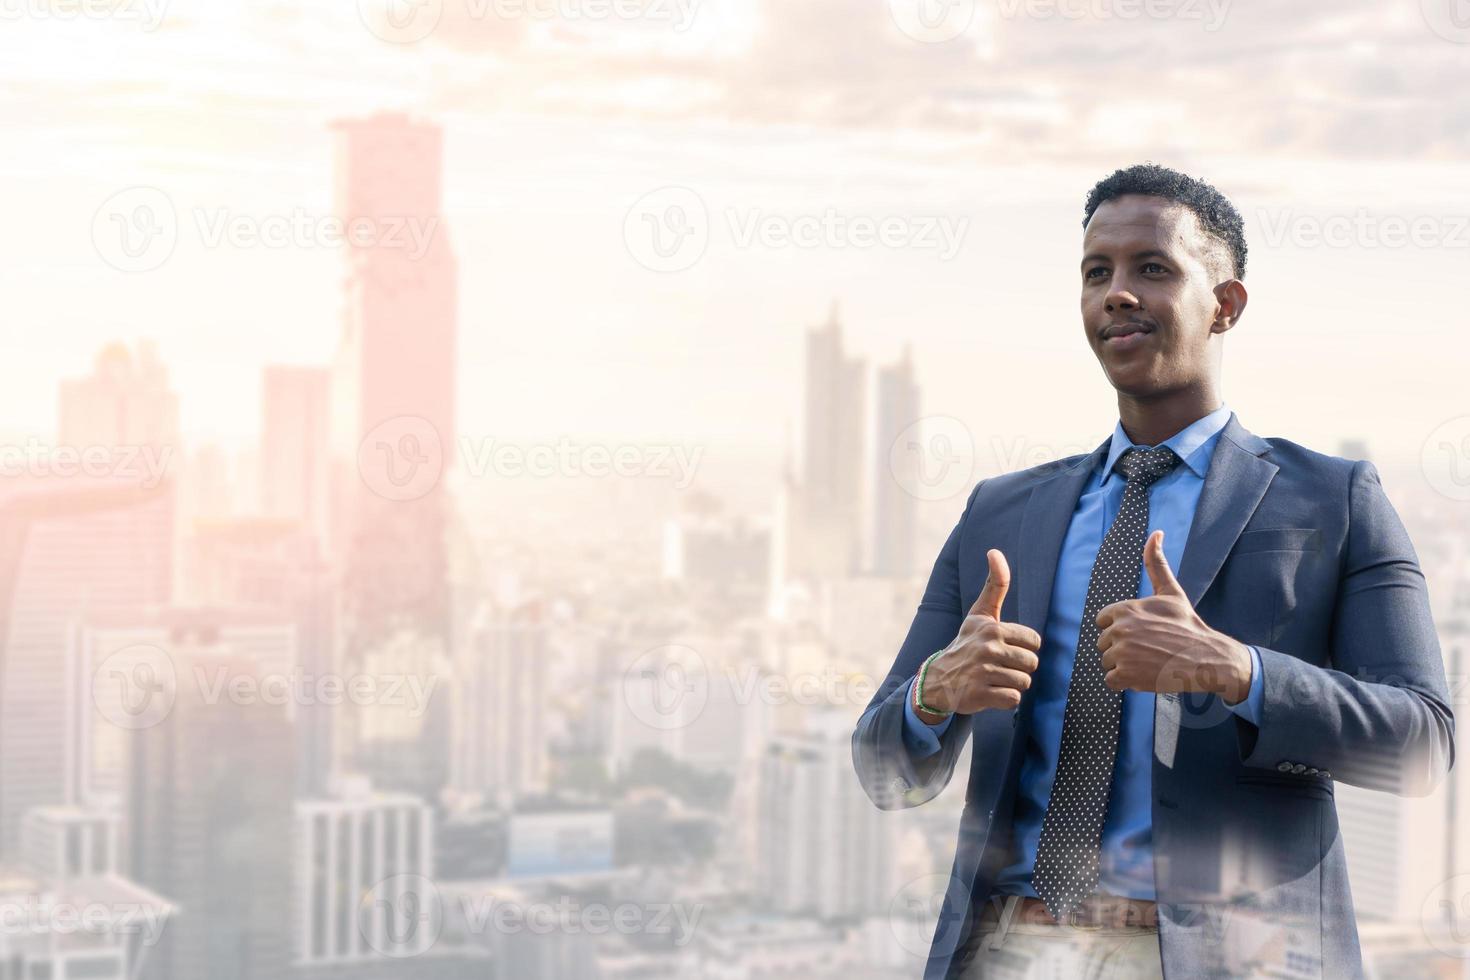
{"type": "Point", "coordinates": [989, 663]}
{"type": "Point", "coordinates": [1159, 643]}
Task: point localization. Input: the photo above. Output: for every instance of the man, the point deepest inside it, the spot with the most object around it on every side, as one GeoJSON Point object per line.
{"type": "Point", "coordinates": [1151, 781]}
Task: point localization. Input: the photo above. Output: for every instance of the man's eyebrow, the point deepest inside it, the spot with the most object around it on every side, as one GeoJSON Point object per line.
{"type": "Point", "coordinates": [1148, 253]}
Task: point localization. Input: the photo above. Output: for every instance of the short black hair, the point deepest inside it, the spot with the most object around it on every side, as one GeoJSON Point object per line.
{"type": "Point", "coordinates": [1216, 214]}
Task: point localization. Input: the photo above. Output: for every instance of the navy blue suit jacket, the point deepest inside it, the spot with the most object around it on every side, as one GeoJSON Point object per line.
{"type": "Point", "coordinates": [1298, 553]}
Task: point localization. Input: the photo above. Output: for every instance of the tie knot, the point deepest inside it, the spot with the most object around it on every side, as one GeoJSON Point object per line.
{"type": "Point", "coordinates": [1146, 465]}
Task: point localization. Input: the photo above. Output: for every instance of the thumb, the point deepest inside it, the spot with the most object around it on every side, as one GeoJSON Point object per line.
{"type": "Point", "coordinates": [1159, 572]}
{"type": "Point", "coordinates": [993, 593]}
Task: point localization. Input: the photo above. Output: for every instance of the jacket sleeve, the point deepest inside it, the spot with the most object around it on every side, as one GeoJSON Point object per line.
{"type": "Point", "coordinates": [892, 777]}
{"type": "Point", "coordinates": [1378, 716]}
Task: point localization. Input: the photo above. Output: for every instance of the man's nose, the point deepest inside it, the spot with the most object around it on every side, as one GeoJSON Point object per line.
{"type": "Point", "coordinates": [1121, 299]}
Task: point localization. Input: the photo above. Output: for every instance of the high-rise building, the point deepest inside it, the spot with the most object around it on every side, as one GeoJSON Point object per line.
{"type": "Point", "coordinates": [207, 819]}
{"type": "Point", "coordinates": [393, 430]}
{"type": "Point", "coordinates": [501, 685]}
{"type": "Point", "coordinates": [895, 474]}
{"type": "Point", "coordinates": [824, 850]}
{"type": "Point", "coordinates": [358, 853]}
{"type": "Point", "coordinates": [393, 389]}
{"type": "Point", "coordinates": [295, 446]}
{"type": "Point", "coordinates": [827, 537]}
{"type": "Point", "coordinates": [68, 549]}
{"type": "Point", "coordinates": [126, 401]}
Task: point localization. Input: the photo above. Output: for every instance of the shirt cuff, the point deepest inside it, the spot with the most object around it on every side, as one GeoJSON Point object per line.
{"type": "Point", "coordinates": [920, 737]}
{"type": "Point", "coordinates": [1250, 708]}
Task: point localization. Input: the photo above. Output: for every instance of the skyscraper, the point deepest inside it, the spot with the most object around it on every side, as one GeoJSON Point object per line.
{"type": "Point", "coordinates": [393, 426]}
{"type": "Point", "coordinates": [68, 548]}
{"type": "Point", "coordinates": [125, 401]}
{"type": "Point", "coordinates": [208, 819]}
{"type": "Point", "coordinates": [393, 390]}
{"type": "Point", "coordinates": [823, 514]}
{"type": "Point", "coordinates": [895, 510]}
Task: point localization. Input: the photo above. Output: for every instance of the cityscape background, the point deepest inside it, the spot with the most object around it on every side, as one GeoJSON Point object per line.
{"type": "Point", "coordinates": [465, 465]}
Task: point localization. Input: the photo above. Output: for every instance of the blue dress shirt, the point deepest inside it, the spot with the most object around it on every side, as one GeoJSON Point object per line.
{"type": "Point", "coordinates": [1127, 838]}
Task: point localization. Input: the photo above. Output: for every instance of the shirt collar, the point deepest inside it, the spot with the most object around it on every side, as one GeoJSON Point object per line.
{"type": "Point", "coordinates": [1191, 444]}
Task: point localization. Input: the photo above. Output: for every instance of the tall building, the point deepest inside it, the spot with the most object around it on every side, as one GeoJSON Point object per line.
{"type": "Point", "coordinates": [824, 850]}
{"type": "Point", "coordinates": [111, 656]}
{"type": "Point", "coordinates": [354, 847]}
{"type": "Point", "coordinates": [895, 474]}
{"type": "Point", "coordinates": [393, 429]}
{"type": "Point", "coordinates": [125, 401]}
{"type": "Point", "coordinates": [295, 446]}
{"type": "Point", "coordinates": [68, 549]}
{"type": "Point", "coordinates": [499, 732]}
{"type": "Point", "coordinates": [207, 819]}
{"type": "Point", "coordinates": [393, 389]}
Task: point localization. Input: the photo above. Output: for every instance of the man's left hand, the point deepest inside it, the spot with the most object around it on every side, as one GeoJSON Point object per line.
{"type": "Point", "coordinates": [1159, 643]}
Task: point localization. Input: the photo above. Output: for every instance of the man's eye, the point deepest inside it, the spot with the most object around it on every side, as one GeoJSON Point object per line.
{"type": "Point", "coordinates": [1153, 267]}
{"type": "Point", "coordinates": [1092, 273]}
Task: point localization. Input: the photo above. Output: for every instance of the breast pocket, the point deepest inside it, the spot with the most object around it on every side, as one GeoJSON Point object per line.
{"type": "Point", "coordinates": [1272, 564]}
{"type": "Point", "coordinates": [1269, 539]}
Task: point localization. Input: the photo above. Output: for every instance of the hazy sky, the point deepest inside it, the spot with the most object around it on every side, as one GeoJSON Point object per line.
{"type": "Point", "coordinates": [1348, 120]}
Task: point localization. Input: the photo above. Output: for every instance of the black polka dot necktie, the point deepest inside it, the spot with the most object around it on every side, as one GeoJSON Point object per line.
{"type": "Point", "coordinates": [1066, 869]}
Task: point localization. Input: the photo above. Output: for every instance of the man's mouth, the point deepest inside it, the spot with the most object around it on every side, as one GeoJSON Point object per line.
{"type": "Point", "coordinates": [1123, 336]}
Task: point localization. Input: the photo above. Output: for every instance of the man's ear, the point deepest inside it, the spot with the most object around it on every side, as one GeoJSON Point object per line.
{"type": "Point", "coordinates": [1230, 298]}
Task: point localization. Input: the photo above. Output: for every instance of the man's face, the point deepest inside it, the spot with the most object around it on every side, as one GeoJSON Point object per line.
{"type": "Point", "coordinates": [1146, 275]}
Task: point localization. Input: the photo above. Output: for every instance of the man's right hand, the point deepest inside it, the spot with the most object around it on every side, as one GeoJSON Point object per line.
{"type": "Point", "coordinates": [989, 663]}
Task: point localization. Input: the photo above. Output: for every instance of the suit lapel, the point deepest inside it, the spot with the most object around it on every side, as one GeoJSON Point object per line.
{"type": "Point", "coordinates": [1236, 482]}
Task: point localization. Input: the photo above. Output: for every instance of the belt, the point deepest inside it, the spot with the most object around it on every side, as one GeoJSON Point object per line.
{"type": "Point", "coordinates": [1095, 912]}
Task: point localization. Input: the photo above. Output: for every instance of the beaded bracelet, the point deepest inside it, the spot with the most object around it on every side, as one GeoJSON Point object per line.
{"type": "Point", "coordinates": [919, 688]}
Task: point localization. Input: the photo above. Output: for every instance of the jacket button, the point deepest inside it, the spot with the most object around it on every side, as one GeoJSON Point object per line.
{"type": "Point", "coordinates": [1312, 772]}
{"type": "Point", "coordinates": [1298, 768]}
{"type": "Point", "coordinates": [1283, 767]}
